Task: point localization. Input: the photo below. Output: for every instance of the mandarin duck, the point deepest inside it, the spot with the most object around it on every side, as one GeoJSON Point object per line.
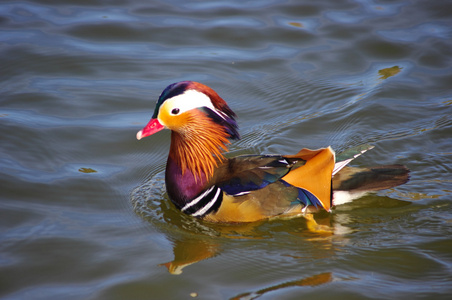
{"type": "Point", "coordinates": [203, 183]}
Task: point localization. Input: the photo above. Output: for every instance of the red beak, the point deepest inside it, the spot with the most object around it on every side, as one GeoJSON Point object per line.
{"type": "Point", "coordinates": [152, 127]}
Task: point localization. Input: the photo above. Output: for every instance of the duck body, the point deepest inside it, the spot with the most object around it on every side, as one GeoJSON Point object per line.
{"type": "Point", "coordinates": [201, 182]}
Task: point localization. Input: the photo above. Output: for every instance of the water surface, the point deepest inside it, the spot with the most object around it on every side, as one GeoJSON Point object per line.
{"type": "Point", "coordinates": [84, 214]}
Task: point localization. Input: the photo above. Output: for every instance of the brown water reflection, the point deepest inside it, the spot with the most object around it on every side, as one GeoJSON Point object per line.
{"type": "Point", "coordinates": [190, 248]}
{"type": "Point", "coordinates": [315, 280]}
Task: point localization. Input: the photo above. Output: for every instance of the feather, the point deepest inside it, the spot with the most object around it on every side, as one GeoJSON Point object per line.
{"type": "Point", "coordinates": [247, 173]}
{"type": "Point", "coordinates": [305, 197]}
{"type": "Point", "coordinates": [315, 174]}
{"type": "Point", "coordinates": [352, 183]}
{"type": "Point", "coordinates": [198, 147]}
{"type": "Point", "coordinates": [351, 154]}
{"type": "Point", "coordinates": [370, 179]}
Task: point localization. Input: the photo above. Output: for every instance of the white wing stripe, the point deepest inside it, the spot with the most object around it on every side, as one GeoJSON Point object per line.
{"type": "Point", "coordinates": [197, 199]}
{"type": "Point", "coordinates": [341, 164]}
{"type": "Point", "coordinates": [208, 205]}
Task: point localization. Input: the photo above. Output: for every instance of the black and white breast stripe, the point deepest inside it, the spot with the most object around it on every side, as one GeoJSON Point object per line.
{"type": "Point", "coordinates": [208, 201]}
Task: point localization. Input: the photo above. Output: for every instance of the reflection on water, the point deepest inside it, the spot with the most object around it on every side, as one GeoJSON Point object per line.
{"type": "Point", "coordinates": [84, 214]}
{"type": "Point", "coordinates": [188, 252]}
{"type": "Point", "coordinates": [87, 170]}
{"type": "Point", "coordinates": [389, 72]}
{"type": "Point", "coordinates": [309, 281]}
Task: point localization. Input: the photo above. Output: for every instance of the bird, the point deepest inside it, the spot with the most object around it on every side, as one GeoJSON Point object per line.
{"type": "Point", "coordinates": [203, 182]}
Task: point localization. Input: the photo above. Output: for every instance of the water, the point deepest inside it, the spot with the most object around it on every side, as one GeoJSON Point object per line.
{"type": "Point", "coordinates": [83, 208]}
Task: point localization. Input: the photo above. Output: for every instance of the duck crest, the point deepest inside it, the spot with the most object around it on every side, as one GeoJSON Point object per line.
{"type": "Point", "coordinates": [217, 101]}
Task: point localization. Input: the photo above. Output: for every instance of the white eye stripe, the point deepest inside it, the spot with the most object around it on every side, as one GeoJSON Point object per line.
{"type": "Point", "coordinates": [189, 100]}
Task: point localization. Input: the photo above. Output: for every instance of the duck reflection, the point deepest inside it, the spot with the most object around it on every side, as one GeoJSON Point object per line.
{"type": "Point", "coordinates": [315, 280]}
{"type": "Point", "coordinates": [190, 249]}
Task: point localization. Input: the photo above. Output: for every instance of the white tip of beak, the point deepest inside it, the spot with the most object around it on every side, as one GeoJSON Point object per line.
{"type": "Point", "coordinates": [139, 134]}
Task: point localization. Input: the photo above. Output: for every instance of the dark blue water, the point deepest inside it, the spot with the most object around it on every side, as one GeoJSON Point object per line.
{"type": "Point", "coordinates": [83, 209]}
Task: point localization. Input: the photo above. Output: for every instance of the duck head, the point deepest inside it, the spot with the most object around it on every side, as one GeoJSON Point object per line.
{"type": "Point", "coordinates": [201, 125]}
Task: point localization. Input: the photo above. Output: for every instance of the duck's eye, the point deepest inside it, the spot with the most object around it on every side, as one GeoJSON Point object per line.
{"type": "Point", "coordinates": [175, 111]}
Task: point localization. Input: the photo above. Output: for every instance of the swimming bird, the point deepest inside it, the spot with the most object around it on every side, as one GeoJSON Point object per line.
{"type": "Point", "coordinates": [203, 183]}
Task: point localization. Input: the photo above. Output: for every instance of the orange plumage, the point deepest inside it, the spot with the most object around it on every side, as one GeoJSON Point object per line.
{"type": "Point", "coordinates": [199, 145]}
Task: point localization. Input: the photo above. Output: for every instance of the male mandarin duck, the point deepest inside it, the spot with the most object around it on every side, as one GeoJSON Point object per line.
{"type": "Point", "coordinates": [203, 183]}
